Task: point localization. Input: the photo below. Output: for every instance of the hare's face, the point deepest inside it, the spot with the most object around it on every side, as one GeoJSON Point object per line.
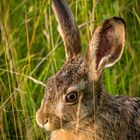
{"type": "Point", "coordinates": [67, 100]}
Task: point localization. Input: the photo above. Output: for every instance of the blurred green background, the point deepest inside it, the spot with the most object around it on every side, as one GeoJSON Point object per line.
{"type": "Point", "coordinates": [31, 50]}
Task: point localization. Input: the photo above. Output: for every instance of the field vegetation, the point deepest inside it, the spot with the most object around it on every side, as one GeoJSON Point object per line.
{"type": "Point", "coordinates": [31, 50]}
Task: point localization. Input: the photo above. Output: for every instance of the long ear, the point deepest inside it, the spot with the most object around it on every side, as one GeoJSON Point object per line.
{"type": "Point", "coordinates": [105, 47]}
{"type": "Point", "coordinates": [67, 28]}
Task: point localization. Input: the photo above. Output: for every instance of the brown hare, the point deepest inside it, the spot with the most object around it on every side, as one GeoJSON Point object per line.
{"type": "Point", "coordinates": [75, 105]}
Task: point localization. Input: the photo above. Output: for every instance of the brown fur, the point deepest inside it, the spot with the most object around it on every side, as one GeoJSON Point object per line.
{"type": "Point", "coordinates": [95, 115]}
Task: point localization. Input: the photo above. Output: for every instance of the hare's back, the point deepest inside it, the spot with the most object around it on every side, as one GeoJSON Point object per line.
{"type": "Point", "coordinates": [130, 111]}
{"type": "Point", "coordinates": [120, 117]}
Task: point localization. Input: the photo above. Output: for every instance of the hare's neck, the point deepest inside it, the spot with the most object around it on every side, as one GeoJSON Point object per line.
{"type": "Point", "coordinates": [98, 92]}
{"type": "Point", "coordinates": [68, 135]}
{"type": "Point", "coordinates": [71, 135]}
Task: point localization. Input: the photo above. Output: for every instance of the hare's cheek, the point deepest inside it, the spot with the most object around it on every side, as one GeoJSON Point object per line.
{"type": "Point", "coordinates": [84, 111]}
{"type": "Point", "coordinates": [59, 109]}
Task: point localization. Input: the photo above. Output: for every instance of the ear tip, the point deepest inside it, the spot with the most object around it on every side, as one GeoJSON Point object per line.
{"type": "Point", "coordinates": [119, 20]}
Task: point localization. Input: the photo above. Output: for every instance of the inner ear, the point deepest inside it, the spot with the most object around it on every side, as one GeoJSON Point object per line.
{"type": "Point", "coordinates": [106, 45]}
{"type": "Point", "coordinates": [111, 42]}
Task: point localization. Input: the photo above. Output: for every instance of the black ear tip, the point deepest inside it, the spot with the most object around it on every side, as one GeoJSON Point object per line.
{"type": "Point", "coordinates": [119, 20]}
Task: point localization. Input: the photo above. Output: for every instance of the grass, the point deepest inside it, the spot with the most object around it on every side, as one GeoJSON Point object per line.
{"type": "Point", "coordinates": [31, 50]}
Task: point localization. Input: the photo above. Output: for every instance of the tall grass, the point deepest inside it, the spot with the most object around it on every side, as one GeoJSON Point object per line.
{"type": "Point", "coordinates": [31, 50]}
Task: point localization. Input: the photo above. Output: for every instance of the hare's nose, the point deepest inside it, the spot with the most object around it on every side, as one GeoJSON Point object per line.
{"type": "Point", "coordinates": [41, 118]}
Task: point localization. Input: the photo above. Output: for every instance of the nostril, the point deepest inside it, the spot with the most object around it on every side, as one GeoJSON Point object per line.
{"type": "Point", "coordinates": [46, 121]}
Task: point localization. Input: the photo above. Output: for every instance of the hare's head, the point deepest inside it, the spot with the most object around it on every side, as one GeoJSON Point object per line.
{"type": "Point", "coordinates": [68, 100]}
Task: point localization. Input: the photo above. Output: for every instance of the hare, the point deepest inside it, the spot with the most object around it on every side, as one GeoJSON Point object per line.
{"type": "Point", "coordinates": [75, 105]}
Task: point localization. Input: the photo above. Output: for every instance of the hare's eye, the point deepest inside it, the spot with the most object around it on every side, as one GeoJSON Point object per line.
{"type": "Point", "coordinates": [71, 97]}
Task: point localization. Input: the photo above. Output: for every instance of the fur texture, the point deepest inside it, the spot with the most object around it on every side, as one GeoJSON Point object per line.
{"type": "Point", "coordinates": [75, 105]}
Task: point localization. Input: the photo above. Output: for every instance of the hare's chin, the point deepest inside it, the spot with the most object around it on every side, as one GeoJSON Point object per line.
{"type": "Point", "coordinates": [47, 127]}
{"type": "Point", "coordinates": [51, 127]}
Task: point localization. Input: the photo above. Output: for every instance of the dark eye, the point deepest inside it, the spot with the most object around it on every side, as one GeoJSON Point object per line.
{"type": "Point", "coordinates": [71, 97]}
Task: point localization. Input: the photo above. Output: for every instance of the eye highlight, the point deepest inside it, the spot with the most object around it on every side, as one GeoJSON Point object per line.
{"type": "Point", "coordinates": [71, 97]}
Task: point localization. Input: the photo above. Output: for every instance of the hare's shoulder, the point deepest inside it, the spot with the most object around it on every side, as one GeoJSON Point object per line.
{"type": "Point", "coordinates": [119, 117]}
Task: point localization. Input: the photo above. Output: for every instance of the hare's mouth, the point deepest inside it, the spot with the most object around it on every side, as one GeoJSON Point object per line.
{"type": "Point", "coordinates": [51, 126]}
{"type": "Point", "coordinates": [63, 124]}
